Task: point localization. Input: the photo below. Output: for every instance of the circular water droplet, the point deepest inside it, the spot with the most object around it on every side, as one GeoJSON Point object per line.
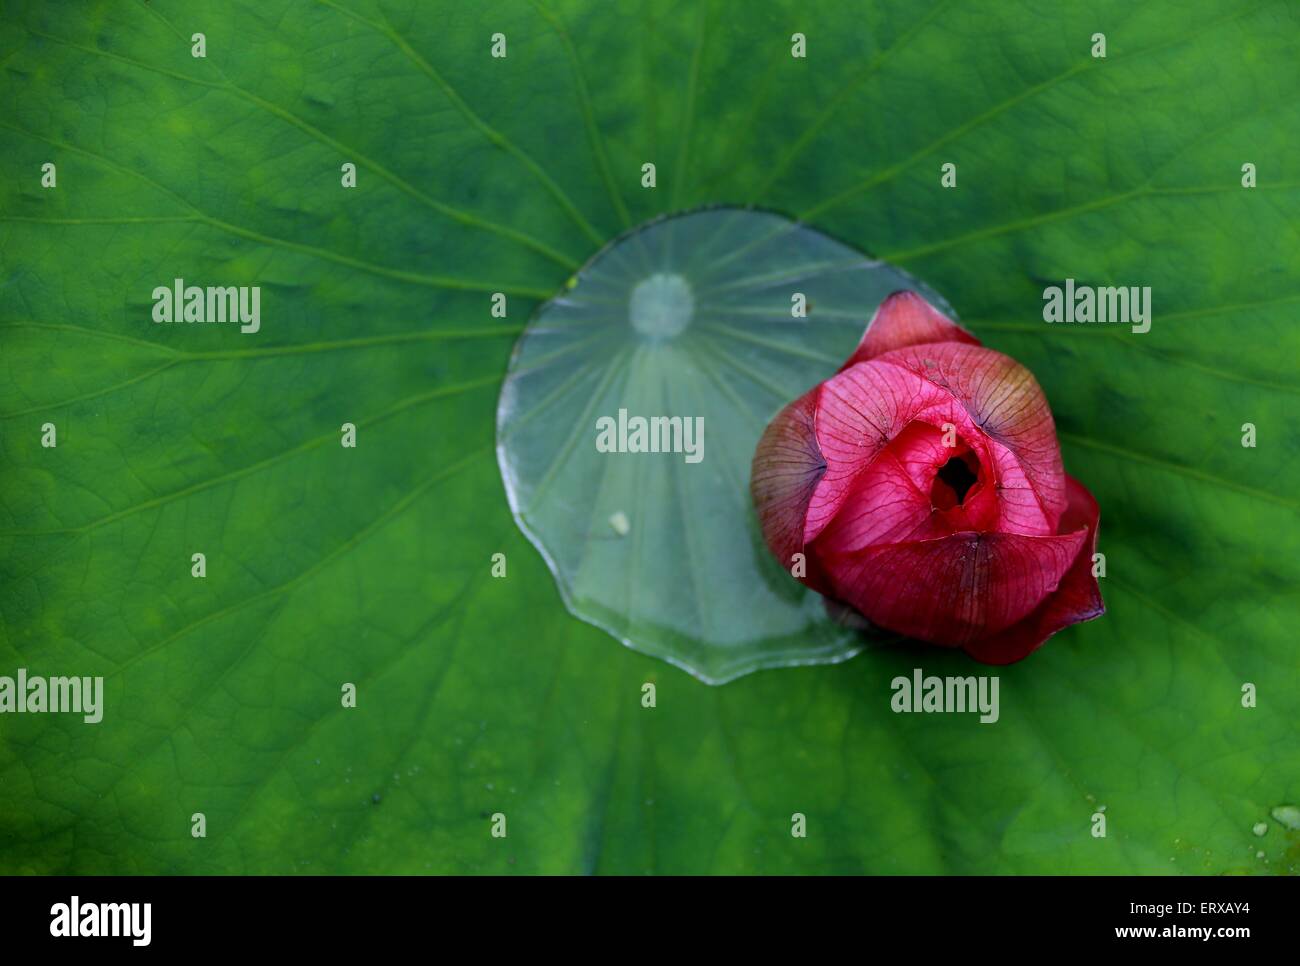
{"type": "Point", "coordinates": [1260, 828]}
{"type": "Point", "coordinates": [1288, 815]}
{"type": "Point", "coordinates": [704, 325]}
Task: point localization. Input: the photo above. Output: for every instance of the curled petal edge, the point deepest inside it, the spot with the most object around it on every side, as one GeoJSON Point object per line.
{"type": "Point", "coordinates": [1076, 599]}
{"type": "Point", "coordinates": [905, 319]}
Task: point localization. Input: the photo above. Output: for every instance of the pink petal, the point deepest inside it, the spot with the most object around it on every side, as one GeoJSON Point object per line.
{"type": "Point", "coordinates": [1005, 402]}
{"type": "Point", "coordinates": [786, 468]}
{"type": "Point", "coordinates": [859, 413]}
{"type": "Point", "coordinates": [905, 319]}
{"type": "Point", "coordinates": [921, 450]}
{"type": "Point", "coordinates": [957, 589]}
{"type": "Point", "coordinates": [1078, 598]}
{"type": "Point", "coordinates": [892, 501]}
{"type": "Point", "coordinates": [885, 506]}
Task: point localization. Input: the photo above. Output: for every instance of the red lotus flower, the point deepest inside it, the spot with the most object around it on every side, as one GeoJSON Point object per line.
{"type": "Point", "coordinates": [923, 485]}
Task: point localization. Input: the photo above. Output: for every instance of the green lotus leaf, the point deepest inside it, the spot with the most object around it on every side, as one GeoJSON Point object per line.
{"type": "Point", "coordinates": [373, 565]}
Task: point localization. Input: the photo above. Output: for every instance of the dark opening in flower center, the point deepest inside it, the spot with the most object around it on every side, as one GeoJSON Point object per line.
{"type": "Point", "coordinates": [954, 481]}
